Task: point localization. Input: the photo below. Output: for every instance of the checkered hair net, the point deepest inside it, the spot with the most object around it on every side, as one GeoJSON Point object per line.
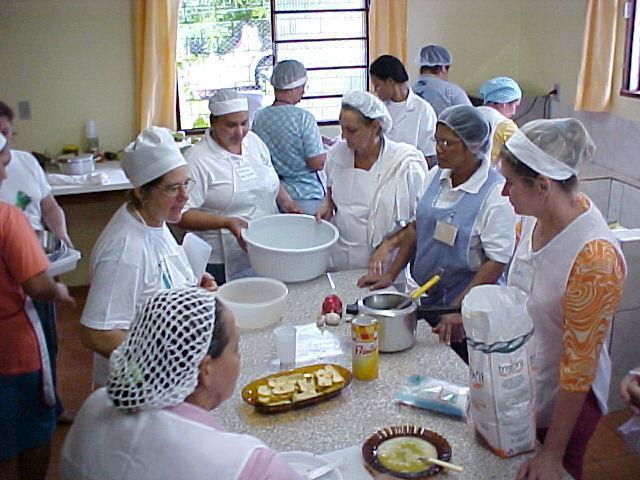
{"type": "Point", "coordinates": [288, 74]}
{"type": "Point", "coordinates": [500, 90]}
{"type": "Point", "coordinates": [370, 106]}
{"type": "Point", "coordinates": [157, 364]}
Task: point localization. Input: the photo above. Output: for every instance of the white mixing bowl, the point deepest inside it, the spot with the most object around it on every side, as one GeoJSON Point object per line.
{"type": "Point", "coordinates": [255, 302]}
{"type": "Point", "coordinates": [289, 247]}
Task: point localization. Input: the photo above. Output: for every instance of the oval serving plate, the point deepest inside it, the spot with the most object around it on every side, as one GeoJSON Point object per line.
{"type": "Point", "coordinates": [250, 391]}
{"type": "Point", "coordinates": [370, 450]}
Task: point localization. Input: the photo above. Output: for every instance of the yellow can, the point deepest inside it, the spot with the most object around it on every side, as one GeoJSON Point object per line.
{"type": "Point", "coordinates": [364, 357]}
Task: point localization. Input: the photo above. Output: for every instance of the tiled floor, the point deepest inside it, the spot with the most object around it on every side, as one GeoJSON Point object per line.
{"type": "Point", "coordinates": [607, 456]}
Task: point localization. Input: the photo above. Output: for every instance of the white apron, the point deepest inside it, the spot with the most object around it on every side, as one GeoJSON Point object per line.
{"type": "Point", "coordinates": [48, 389]}
{"type": "Point", "coordinates": [353, 192]}
{"type": "Point", "coordinates": [255, 188]}
{"type": "Point", "coordinates": [544, 275]}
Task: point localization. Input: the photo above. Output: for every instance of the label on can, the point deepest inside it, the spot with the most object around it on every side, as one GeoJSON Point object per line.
{"type": "Point", "coordinates": [364, 357]}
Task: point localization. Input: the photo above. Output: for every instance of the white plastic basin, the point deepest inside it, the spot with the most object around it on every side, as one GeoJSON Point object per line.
{"type": "Point", "coordinates": [289, 247]}
{"type": "Point", "coordinates": [255, 302]}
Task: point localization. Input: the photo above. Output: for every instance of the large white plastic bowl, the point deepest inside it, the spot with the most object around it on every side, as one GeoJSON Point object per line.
{"type": "Point", "coordinates": [289, 247]}
{"type": "Point", "coordinates": [255, 302]}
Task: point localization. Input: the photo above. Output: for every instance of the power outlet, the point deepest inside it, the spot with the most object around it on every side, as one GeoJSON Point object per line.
{"type": "Point", "coordinates": [556, 87]}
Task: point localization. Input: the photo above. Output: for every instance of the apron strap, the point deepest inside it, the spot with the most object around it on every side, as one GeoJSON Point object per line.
{"type": "Point", "coordinates": [48, 390]}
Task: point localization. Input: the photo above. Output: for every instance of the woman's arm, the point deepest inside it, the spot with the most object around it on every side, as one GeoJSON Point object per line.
{"type": "Point", "coordinates": [54, 218]}
{"type": "Point", "coordinates": [101, 341]}
{"type": "Point", "coordinates": [406, 243]}
{"type": "Point", "coordinates": [199, 220]}
{"type": "Point", "coordinates": [285, 202]}
{"type": "Point", "coordinates": [326, 209]}
{"type": "Point", "coordinates": [40, 287]}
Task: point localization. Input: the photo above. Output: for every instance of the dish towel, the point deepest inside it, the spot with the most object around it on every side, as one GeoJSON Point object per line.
{"type": "Point", "coordinates": [95, 178]}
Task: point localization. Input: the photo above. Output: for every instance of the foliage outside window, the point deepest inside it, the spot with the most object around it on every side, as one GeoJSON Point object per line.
{"type": "Point", "coordinates": [631, 71]}
{"type": "Point", "coordinates": [233, 43]}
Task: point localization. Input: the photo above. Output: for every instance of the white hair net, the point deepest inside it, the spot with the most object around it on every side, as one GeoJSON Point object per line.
{"type": "Point", "coordinates": [433, 56]}
{"type": "Point", "coordinates": [157, 365]}
{"type": "Point", "coordinates": [152, 154]}
{"type": "Point", "coordinates": [470, 125]}
{"type": "Point", "coordinates": [227, 100]}
{"type": "Point", "coordinates": [370, 106]}
{"type": "Point", "coordinates": [553, 148]}
{"type": "Point", "coordinates": [500, 90]}
{"type": "Point", "coordinates": [3, 141]}
{"type": "Point", "coordinates": [288, 74]}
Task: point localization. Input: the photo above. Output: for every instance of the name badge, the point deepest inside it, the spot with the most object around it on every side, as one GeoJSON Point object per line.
{"type": "Point", "coordinates": [445, 233]}
{"type": "Point", "coordinates": [521, 275]}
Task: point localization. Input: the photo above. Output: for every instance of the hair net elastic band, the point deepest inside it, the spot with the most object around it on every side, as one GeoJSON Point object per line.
{"type": "Point", "coordinates": [294, 84]}
{"type": "Point", "coordinates": [539, 161]}
{"type": "Point", "coordinates": [228, 106]}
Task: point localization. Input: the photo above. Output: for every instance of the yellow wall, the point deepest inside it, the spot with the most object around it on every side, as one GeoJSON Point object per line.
{"type": "Point", "coordinates": [72, 60]}
{"type": "Point", "coordinates": [482, 36]}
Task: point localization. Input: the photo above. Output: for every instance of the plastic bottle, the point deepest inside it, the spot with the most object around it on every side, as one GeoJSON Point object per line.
{"type": "Point", "coordinates": [91, 137]}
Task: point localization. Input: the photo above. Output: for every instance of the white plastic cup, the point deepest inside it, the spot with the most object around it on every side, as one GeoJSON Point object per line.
{"type": "Point", "coordinates": [286, 344]}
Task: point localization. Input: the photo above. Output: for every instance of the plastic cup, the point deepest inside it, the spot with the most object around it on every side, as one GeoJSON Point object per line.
{"type": "Point", "coordinates": [286, 344]}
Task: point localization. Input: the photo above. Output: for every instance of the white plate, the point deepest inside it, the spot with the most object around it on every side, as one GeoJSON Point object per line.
{"type": "Point", "coordinates": [304, 462]}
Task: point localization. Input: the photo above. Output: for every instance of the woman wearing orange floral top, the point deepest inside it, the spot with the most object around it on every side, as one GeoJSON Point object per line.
{"type": "Point", "coordinates": [570, 265]}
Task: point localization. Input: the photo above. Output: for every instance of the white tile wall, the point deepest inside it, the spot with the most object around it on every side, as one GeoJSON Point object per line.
{"type": "Point", "coordinates": [615, 202]}
{"type": "Point", "coordinates": [599, 191]}
{"type": "Point", "coordinates": [624, 350]}
{"type": "Point", "coordinates": [630, 207]}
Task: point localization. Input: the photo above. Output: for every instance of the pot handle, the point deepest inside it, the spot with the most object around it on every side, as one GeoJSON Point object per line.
{"type": "Point", "coordinates": [352, 308]}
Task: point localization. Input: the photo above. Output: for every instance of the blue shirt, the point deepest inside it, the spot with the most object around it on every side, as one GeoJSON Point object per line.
{"type": "Point", "coordinates": [440, 93]}
{"type": "Point", "coordinates": [292, 136]}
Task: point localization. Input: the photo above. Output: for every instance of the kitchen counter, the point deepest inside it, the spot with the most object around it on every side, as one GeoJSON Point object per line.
{"type": "Point", "coordinates": [363, 407]}
{"type": "Point", "coordinates": [113, 175]}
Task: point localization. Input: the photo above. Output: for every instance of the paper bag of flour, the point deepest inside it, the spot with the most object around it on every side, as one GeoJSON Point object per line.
{"type": "Point", "coordinates": [501, 357]}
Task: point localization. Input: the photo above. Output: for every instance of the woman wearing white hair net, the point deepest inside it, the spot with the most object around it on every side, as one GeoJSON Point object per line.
{"type": "Point", "coordinates": [571, 267]}
{"type": "Point", "coordinates": [293, 138]}
{"type": "Point", "coordinates": [501, 97]}
{"type": "Point", "coordinates": [373, 183]}
{"type": "Point", "coordinates": [464, 227]}
{"type": "Point", "coordinates": [179, 362]}
{"type": "Point", "coordinates": [235, 183]}
{"type": "Point", "coordinates": [136, 255]}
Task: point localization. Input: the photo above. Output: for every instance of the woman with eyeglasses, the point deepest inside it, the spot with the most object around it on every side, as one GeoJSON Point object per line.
{"type": "Point", "coordinates": [136, 255]}
{"type": "Point", "coordinates": [464, 228]}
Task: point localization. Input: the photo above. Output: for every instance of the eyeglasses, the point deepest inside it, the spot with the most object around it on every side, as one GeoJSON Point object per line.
{"type": "Point", "coordinates": [174, 190]}
{"type": "Point", "coordinates": [446, 144]}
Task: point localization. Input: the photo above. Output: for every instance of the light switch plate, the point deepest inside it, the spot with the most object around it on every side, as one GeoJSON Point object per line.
{"type": "Point", "coordinates": [24, 110]}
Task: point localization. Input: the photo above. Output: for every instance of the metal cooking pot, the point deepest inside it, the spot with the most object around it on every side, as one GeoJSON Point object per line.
{"type": "Point", "coordinates": [53, 246]}
{"type": "Point", "coordinates": [397, 327]}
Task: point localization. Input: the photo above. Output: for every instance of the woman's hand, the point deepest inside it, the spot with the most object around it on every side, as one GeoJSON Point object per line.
{"type": "Point", "coordinates": [630, 391]}
{"type": "Point", "coordinates": [544, 466]}
{"type": "Point", "coordinates": [208, 282]}
{"type": "Point", "coordinates": [327, 142]}
{"type": "Point", "coordinates": [378, 259]}
{"type": "Point", "coordinates": [235, 226]}
{"type": "Point", "coordinates": [375, 282]}
{"type": "Point", "coordinates": [450, 328]}
{"type": "Point", "coordinates": [290, 206]}
{"type": "Point", "coordinates": [63, 297]}
{"type": "Point", "coordinates": [324, 212]}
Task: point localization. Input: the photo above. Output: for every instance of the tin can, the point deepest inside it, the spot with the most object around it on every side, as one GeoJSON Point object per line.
{"type": "Point", "coordinates": [364, 356]}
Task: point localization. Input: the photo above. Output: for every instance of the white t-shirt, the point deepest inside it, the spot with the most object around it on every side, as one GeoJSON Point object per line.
{"type": "Point", "coordinates": [25, 186]}
{"type": "Point", "coordinates": [129, 263]}
{"type": "Point", "coordinates": [211, 166]}
{"type": "Point", "coordinates": [494, 229]}
{"type": "Point", "coordinates": [414, 122]}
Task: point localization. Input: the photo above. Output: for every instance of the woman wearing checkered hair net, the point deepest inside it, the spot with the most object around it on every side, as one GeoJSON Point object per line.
{"type": "Point", "coordinates": [179, 361]}
{"type": "Point", "coordinates": [373, 183]}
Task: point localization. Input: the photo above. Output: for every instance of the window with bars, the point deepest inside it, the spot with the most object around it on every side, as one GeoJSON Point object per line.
{"type": "Point", "coordinates": [631, 69]}
{"type": "Point", "coordinates": [234, 43]}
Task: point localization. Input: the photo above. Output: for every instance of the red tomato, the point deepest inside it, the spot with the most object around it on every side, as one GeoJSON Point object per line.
{"type": "Point", "coordinates": [332, 303]}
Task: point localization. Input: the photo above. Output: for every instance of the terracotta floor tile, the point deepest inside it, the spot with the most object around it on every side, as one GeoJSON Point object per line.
{"type": "Point", "coordinates": [593, 471]}
{"type": "Point", "coordinates": [626, 467]}
{"type": "Point", "coordinates": [605, 444]}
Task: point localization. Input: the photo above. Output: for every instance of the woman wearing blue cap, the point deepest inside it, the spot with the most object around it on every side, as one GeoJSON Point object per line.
{"type": "Point", "coordinates": [501, 97]}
